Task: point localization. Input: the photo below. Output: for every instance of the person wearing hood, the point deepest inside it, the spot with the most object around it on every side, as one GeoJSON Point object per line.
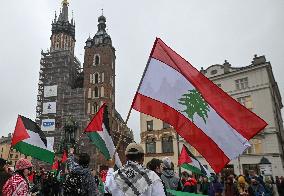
{"type": "Point", "coordinates": [169, 177]}
{"type": "Point", "coordinates": [86, 184]}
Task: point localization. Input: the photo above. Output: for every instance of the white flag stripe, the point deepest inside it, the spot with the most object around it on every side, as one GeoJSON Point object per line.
{"type": "Point", "coordinates": [109, 144]}
{"type": "Point", "coordinates": [170, 80]}
{"type": "Point", "coordinates": [35, 140]}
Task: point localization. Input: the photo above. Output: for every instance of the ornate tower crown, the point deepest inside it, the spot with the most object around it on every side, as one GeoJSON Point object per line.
{"type": "Point", "coordinates": [63, 31]}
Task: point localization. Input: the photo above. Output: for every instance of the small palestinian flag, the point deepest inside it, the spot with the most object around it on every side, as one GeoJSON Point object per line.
{"type": "Point", "coordinates": [98, 131]}
{"type": "Point", "coordinates": [188, 161]}
{"type": "Point", "coordinates": [30, 140]}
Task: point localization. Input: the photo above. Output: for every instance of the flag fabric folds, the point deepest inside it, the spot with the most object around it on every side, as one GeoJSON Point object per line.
{"type": "Point", "coordinates": [98, 131]}
{"type": "Point", "coordinates": [215, 124]}
{"type": "Point", "coordinates": [188, 161]}
{"type": "Point", "coordinates": [30, 140]}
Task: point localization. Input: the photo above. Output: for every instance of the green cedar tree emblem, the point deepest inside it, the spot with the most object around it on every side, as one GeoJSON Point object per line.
{"type": "Point", "coordinates": [194, 103]}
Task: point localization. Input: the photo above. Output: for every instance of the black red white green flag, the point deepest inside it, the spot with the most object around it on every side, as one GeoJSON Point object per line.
{"type": "Point", "coordinates": [188, 161]}
{"type": "Point", "coordinates": [215, 124]}
{"type": "Point", "coordinates": [98, 131]}
{"type": "Point", "coordinates": [30, 140]}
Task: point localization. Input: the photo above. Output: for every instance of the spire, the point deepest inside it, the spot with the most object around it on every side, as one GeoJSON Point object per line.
{"type": "Point", "coordinates": [65, 10]}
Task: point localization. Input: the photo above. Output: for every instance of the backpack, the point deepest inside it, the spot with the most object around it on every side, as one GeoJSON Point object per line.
{"type": "Point", "coordinates": [73, 184]}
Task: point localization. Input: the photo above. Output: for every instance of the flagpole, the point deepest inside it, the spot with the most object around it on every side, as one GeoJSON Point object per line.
{"type": "Point", "coordinates": [177, 137]}
{"type": "Point", "coordinates": [129, 112]}
{"type": "Point", "coordinates": [239, 162]}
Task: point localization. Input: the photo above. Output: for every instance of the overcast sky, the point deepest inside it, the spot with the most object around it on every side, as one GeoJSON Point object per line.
{"type": "Point", "coordinates": [204, 32]}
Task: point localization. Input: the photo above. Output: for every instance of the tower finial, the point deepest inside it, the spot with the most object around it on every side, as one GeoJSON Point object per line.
{"type": "Point", "coordinates": [102, 11]}
{"type": "Point", "coordinates": [65, 2]}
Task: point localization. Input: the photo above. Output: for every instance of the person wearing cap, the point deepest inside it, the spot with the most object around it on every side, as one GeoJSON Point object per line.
{"type": "Point", "coordinates": [18, 183]}
{"type": "Point", "coordinates": [133, 178]}
{"type": "Point", "coordinates": [4, 173]}
{"type": "Point", "coordinates": [169, 177]}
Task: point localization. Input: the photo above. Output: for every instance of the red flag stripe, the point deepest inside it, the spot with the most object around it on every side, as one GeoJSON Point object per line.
{"type": "Point", "coordinates": [97, 121]}
{"type": "Point", "coordinates": [20, 132]}
{"type": "Point", "coordinates": [239, 117]}
{"type": "Point", "coordinates": [185, 128]}
{"type": "Point", "coordinates": [183, 157]}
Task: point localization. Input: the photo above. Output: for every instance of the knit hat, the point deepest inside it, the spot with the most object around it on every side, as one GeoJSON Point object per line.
{"type": "Point", "coordinates": [134, 148]}
{"type": "Point", "coordinates": [167, 162]}
{"type": "Point", "coordinates": [23, 164]}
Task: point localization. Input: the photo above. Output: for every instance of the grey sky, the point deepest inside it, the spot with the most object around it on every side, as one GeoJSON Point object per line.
{"type": "Point", "coordinates": [204, 32]}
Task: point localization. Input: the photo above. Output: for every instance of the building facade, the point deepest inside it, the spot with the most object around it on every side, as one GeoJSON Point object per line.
{"type": "Point", "coordinates": [69, 95]}
{"type": "Point", "coordinates": [255, 87]}
{"type": "Point", "coordinates": [11, 155]}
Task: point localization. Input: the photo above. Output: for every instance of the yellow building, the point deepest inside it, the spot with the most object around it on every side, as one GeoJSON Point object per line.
{"type": "Point", "coordinates": [13, 156]}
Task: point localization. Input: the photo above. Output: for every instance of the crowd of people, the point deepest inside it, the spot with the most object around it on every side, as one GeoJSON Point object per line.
{"type": "Point", "coordinates": [157, 178]}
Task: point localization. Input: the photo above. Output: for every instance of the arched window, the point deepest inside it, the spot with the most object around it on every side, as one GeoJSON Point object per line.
{"type": "Point", "coordinates": [150, 145]}
{"type": "Point", "coordinates": [96, 78]}
{"type": "Point", "coordinates": [95, 108]}
{"type": "Point", "coordinates": [96, 92]}
{"type": "Point", "coordinates": [167, 144]}
{"type": "Point", "coordinates": [96, 60]}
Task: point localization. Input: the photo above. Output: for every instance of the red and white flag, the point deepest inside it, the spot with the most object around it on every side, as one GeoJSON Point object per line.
{"type": "Point", "coordinates": [215, 124]}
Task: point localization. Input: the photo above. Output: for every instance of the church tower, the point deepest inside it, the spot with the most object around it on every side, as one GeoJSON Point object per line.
{"type": "Point", "coordinates": [99, 70]}
{"type": "Point", "coordinates": [99, 84]}
{"type": "Point", "coordinates": [63, 31]}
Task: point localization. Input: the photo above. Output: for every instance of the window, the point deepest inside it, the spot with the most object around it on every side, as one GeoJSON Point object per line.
{"type": "Point", "coordinates": [16, 156]}
{"type": "Point", "coordinates": [213, 72]}
{"type": "Point", "coordinates": [96, 60]}
{"type": "Point", "coordinates": [96, 78]}
{"type": "Point", "coordinates": [96, 92]}
{"type": "Point", "coordinates": [256, 147]}
{"type": "Point", "coordinates": [167, 144]}
{"type": "Point", "coordinates": [95, 106]}
{"type": "Point", "coordinates": [166, 125]}
{"type": "Point", "coordinates": [150, 145]}
{"type": "Point", "coordinates": [241, 83]}
{"type": "Point", "coordinates": [150, 125]}
{"type": "Point", "coordinates": [11, 156]}
{"type": "Point", "coordinates": [91, 78]}
{"type": "Point", "coordinates": [246, 101]}
{"type": "Point", "coordinates": [249, 167]}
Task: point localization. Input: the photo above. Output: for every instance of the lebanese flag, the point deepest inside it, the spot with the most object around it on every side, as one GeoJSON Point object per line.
{"type": "Point", "coordinates": [98, 131]}
{"type": "Point", "coordinates": [30, 140]}
{"type": "Point", "coordinates": [215, 124]}
{"type": "Point", "coordinates": [188, 161]}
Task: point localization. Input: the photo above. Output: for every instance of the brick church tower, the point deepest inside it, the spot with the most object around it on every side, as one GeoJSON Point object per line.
{"type": "Point", "coordinates": [99, 82]}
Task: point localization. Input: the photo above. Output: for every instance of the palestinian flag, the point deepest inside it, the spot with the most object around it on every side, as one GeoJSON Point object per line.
{"type": "Point", "coordinates": [98, 131]}
{"type": "Point", "coordinates": [188, 161]}
{"type": "Point", "coordinates": [30, 140]}
{"type": "Point", "coordinates": [215, 124]}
